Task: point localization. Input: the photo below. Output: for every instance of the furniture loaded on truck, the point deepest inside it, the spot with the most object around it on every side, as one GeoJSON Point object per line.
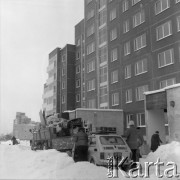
{"type": "Point", "coordinates": [103, 126]}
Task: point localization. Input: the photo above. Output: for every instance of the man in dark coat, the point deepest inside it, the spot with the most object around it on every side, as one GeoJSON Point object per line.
{"type": "Point", "coordinates": [155, 141]}
{"type": "Point", "coordinates": [81, 145]}
{"type": "Point", "coordinates": [14, 141]}
{"type": "Point", "coordinates": [132, 140]}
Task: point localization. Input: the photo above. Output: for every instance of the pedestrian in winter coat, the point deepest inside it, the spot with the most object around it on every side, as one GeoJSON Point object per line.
{"type": "Point", "coordinates": [132, 140]}
{"type": "Point", "coordinates": [155, 141]}
{"type": "Point", "coordinates": [81, 145]}
{"type": "Point", "coordinates": [14, 141]}
{"type": "Point", "coordinates": [140, 141]}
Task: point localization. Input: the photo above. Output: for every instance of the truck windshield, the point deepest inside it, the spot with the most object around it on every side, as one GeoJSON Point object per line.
{"type": "Point", "coordinates": [111, 140]}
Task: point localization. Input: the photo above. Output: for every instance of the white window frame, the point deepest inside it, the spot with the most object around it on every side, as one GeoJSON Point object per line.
{"type": "Point", "coordinates": [90, 48]}
{"type": "Point", "coordinates": [78, 83]}
{"type": "Point", "coordinates": [63, 85]}
{"type": "Point", "coordinates": [140, 92]}
{"type": "Point", "coordinates": [78, 69]}
{"type": "Point", "coordinates": [127, 71]}
{"type": "Point", "coordinates": [103, 54]}
{"type": "Point", "coordinates": [114, 76]}
{"type": "Point", "coordinates": [63, 99]}
{"type": "Point", "coordinates": [91, 85]}
{"type": "Point", "coordinates": [128, 96]}
{"type": "Point", "coordinates": [63, 71]}
{"type": "Point", "coordinates": [77, 97]}
{"type": "Point", "coordinates": [163, 62]}
{"type": "Point", "coordinates": [102, 17]}
{"type": "Point", "coordinates": [167, 82]}
{"type": "Point", "coordinates": [114, 54]}
{"type": "Point", "coordinates": [161, 30]}
{"type": "Point", "coordinates": [91, 66]}
{"type": "Point", "coordinates": [161, 7]}
{"type": "Point", "coordinates": [113, 34]}
{"type": "Point", "coordinates": [103, 35]}
{"type": "Point", "coordinates": [103, 74]}
{"type": "Point", "coordinates": [141, 67]}
{"type": "Point", "coordinates": [90, 30]}
{"type": "Point", "coordinates": [126, 26]}
{"type": "Point", "coordinates": [127, 48]}
{"type": "Point", "coordinates": [139, 43]}
{"type": "Point", "coordinates": [139, 118]}
{"type": "Point", "coordinates": [103, 95]}
{"type": "Point", "coordinates": [178, 22]}
{"type": "Point", "coordinates": [138, 18]}
{"type": "Point", "coordinates": [112, 14]}
{"type": "Point", "coordinates": [129, 117]}
{"type": "Point", "coordinates": [125, 5]}
{"type": "Point", "coordinates": [135, 2]}
{"type": "Point", "coordinates": [115, 99]}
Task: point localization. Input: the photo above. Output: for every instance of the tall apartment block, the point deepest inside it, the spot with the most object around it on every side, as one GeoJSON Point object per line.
{"type": "Point", "coordinates": [51, 96]}
{"type": "Point", "coordinates": [124, 48]}
{"type": "Point", "coordinates": [59, 90]}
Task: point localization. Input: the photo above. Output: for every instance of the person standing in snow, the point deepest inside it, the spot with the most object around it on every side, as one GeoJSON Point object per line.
{"type": "Point", "coordinates": [81, 145]}
{"type": "Point", "coordinates": [131, 136]}
{"type": "Point", "coordinates": [155, 141]}
{"type": "Point", "coordinates": [140, 141]}
{"type": "Point", "coordinates": [14, 141]}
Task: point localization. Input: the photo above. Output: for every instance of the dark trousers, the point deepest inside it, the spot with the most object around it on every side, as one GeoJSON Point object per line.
{"type": "Point", "coordinates": [135, 155]}
{"type": "Point", "coordinates": [81, 153]}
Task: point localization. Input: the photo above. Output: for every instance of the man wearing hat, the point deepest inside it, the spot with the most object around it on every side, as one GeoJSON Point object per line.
{"type": "Point", "coordinates": [132, 140]}
{"type": "Point", "coordinates": [155, 141]}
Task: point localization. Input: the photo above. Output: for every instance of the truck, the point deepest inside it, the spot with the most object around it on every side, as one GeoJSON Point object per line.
{"type": "Point", "coordinates": [93, 120]}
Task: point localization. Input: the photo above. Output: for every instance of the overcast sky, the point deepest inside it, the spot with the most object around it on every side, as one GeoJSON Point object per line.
{"type": "Point", "coordinates": [29, 31]}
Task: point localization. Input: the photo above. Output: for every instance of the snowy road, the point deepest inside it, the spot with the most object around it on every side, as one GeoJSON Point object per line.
{"type": "Point", "coordinates": [19, 162]}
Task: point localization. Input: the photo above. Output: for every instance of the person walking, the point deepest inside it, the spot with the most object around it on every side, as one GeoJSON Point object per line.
{"type": "Point", "coordinates": [140, 141]}
{"type": "Point", "coordinates": [81, 145]}
{"type": "Point", "coordinates": [155, 141]}
{"type": "Point", "coordinates": [131, 136]}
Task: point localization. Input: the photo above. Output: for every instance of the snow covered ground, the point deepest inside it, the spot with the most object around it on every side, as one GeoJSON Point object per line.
{"type": "Point", "coordinates": [19, 162]}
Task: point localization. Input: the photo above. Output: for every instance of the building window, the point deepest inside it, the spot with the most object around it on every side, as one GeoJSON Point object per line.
{"type": "Point", "coordinates": [90, 14]}
{"type": "Point", "coordinates": [63, 99]}
{"type": "Point", "coordinates": [161, 5]}
{"type": "Point", "coordinates": [135, 2]}
{"type": "Point", "coordinates": [125, 5]}
{"type": "Point", "coordinates": [167, 82]}
{"type": "Point", "coordinates": [114, 76]}
{"type": "Point", "coordinates": [78, 83]}
{"type": "Point", "coordinates": [129, 96]}
{"type": "Point", "coordinates": [178, 23]}
{"type": "Point", "coordinates": [129, 117]}
{"type": "Point", "coordinates": [91, 103]}
{"type": "Point", "coordinates": [140, 42]}
{"type": "Point", "coordinates": [102, 35]}
{"type": "Point", "coordinates": [140, 120]}
{"type": "Point", "coordinates": [78, 42]}
{"type": "Point", "coordinates": [128, 71]}
{"type": "Point", "coordinates": [103, 54]}
{"type": "Point", "coordinates": [163, 30]}
{"type": "Point", "coordinates": [166, 58]}
{"type": "Point", "coordinates": [64, 58]}
{"type": "Point", "coordinates": [91, 66]}
{"type": "Point", "coordinates": [90, 30]}
{"type": "Point", "coordinates": [114, 55]}
{"type": "Point", "coordinates": [78, 98]}
{"type": "Point", "coordinates": [112, 15]}
{"type": "Point", "coordinates": [141, 67]}
{"type": "Point", "coordinates": [102, 3]}
{"type": "Point", "coordinates": [90, 48]}
{"type": "Point", "coordinates": [140, 92]}
{"type": "Point", "coordinates": [103, 74]}
{"type": "Point", "coordinates": [63, 85]}
{"type": "Point", "coordinates": [63, 71]}
{"type": "Point", "coordinates": [113, 34]}
{"type": "Point", "coordinates": [78, 55]}
{"type": "Point", "coordinates": [138, 18]}
{"type": "Point", "coordinates": [126, 26]}
{"type": "Point", "coordinates": [127, 49]}
{"type": "Point", "coordinates": [91, 85]}
{"type": "Point", "coordinates": [115, 99]}
{"type": "Point", "coordinates": [78, 69]}
{"type": "Point", "coordinates": [102, 17]}
{"type": "Point", "coordinates": [103, 95]}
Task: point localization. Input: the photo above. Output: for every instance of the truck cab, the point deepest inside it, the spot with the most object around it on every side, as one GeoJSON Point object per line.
{"type": "Point", "coordinates": [103, 146]}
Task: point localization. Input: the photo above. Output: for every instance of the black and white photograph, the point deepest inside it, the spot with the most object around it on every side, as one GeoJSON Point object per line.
{"type": "Point", "coordinates": [89, 89]}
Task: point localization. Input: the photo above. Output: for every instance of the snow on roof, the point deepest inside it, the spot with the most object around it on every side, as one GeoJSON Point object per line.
{"type": "Point", "coordinates": [161, 90]}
